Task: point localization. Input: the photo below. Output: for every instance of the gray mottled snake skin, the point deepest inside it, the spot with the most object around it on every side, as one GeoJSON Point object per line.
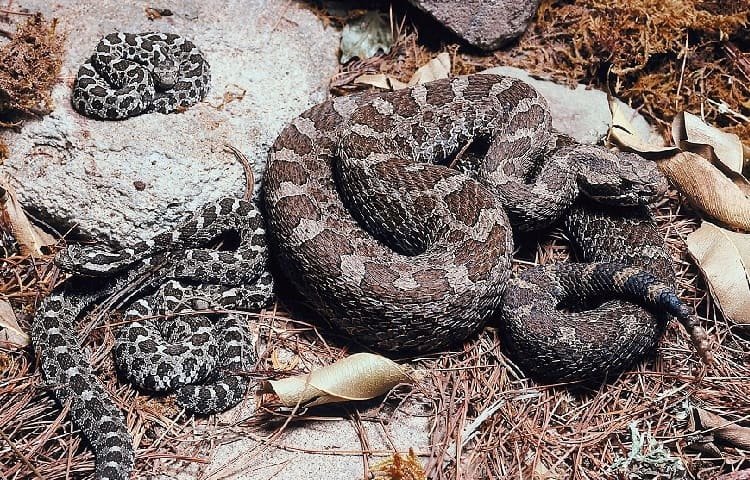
{"type": "Point", "coordinates": [202, 356]}
{"type": "Point", "coordinates": [134, 73]}
{"type": "Point", "coordinates": [406, 255]}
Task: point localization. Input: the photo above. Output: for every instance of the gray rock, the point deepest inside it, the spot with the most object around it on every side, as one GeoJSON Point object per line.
{"type": "Point", "coordinates": [487, 24]}
{"type": "Point", "coordinates": [581, 112]}
{"type": "Point", "coordinates": [119, 182]}
{"type": "Point", "coordinates": [326, 449]}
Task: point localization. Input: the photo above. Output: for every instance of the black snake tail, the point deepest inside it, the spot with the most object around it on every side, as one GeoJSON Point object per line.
{"type": "Point", "coordinates": [594, 280]}
{"type": "Point", "coordinates": [546, 310]}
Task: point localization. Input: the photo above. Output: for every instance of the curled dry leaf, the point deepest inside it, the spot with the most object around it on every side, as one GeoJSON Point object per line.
{"type": "Point", "coordinates": [725, 150]}
{"type": "Point", "coordinates": [706, 165]}
{"type": "Point", "coordinates": [437, 68]}
{"type": "Point", "coordinates": [30, 239]}
{"type": "Point", "coordinates": [720, 428]}
{"type": "Point", "coordinates": [692, 135]}
{"type": "Point", "coordinates": [10, 331]}
{"type": "Point", "coordinates": [708, 189]}
{"type": "Point", "coordinates": [382, 81]}
{"type": "Point", "coordinates": [724, 258]}
{"type": "Point", "coordinates": [624, 134]}
{"type": "Point", "coordinates": [358, 377]}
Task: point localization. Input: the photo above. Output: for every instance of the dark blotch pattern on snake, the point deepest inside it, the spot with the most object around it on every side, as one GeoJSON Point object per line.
{"type": "Point", "coordinates": [406, 255]}
{"type": "Point", "coordinates": [133, 73]}
{"type": "Point", "coordinates": [201, 356]}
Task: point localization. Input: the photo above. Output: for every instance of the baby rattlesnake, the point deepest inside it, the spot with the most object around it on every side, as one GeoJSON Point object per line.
{"type": "Point", "coordinates": [133, 73]}
{"type": "Point", "coordinates": [202, 357]}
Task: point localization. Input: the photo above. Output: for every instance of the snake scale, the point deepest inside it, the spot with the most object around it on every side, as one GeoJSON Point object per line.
{"type": "Point", "coordinates": [392, 247]}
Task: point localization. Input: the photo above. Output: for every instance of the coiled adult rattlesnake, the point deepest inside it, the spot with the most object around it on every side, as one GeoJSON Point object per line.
{"type": "Point", "coordinates": [415, 256]}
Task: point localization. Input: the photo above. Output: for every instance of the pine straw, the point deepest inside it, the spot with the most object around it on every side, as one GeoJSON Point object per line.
{"type": "Point", "coordinates": [527, 429]}
{"type": "Point", "coordinates": [578, 432]}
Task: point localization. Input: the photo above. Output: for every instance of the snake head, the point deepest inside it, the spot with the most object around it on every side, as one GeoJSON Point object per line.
{"type": "Point", "coordinates": [90, 261]}
{"type": "Point", "coordinates": [67, 259]}
{"type": "Point", "coordinates": [625, 179]}
{"type": "Point", "coordinates": [165, 73]}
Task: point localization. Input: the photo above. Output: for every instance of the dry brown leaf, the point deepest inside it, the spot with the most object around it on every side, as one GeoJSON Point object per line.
{"type": "Point", "coordinates": [724, 258]}
{"type": "Point", "coordinates": [358, 377]}
{"type": "Point", "coordinates": [725, 150]}
{"type": "Point", "coordinates": [624, 135]}
{"type": "Point", "coordinates": [691, 134]}
{"type": "Point", "coordinates": [723, 192]}
{"type": "Point", "coordinates": [382, 81]}
{"type": "Point", "coordinates": [437, 68]}
{"type": "Point", "coordinates": [10, 331]}
{"type": "Point", "coordinates": [30, 239]}
{"type": "Point", "coordinates": [720, 428]}
{"type": "Point", "coordinates": [708, 189]}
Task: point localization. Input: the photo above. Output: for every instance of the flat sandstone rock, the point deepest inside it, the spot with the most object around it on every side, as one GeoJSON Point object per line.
{"type": "Point", "coordinates": [121, 181]}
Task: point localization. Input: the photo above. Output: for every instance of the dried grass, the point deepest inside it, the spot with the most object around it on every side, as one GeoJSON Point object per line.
{"type": "Point", "coordinates": [662, 57]}
{"type": "Point", "coordinates": [29, 65]}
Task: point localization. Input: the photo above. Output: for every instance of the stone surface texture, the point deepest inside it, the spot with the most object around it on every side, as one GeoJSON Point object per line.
{"type": "Point", "coordinates": [337, 445]}
{"type": "Point", "coordinates": [120, 181]}
{"type": "Point", "coordinates": [486, 24]}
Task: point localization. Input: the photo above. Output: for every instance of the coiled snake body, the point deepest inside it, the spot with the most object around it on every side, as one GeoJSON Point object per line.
{"type": "Point", "coordinates": [403, 254]}
{"type": "Point", "coordinates": [134, 73]}
{"type": "Point", "coordinates": [202, 357]}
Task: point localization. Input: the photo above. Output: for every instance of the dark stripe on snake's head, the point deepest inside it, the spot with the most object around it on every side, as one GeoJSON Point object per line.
{"type": "Point", "coordinates": [622, 179]}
